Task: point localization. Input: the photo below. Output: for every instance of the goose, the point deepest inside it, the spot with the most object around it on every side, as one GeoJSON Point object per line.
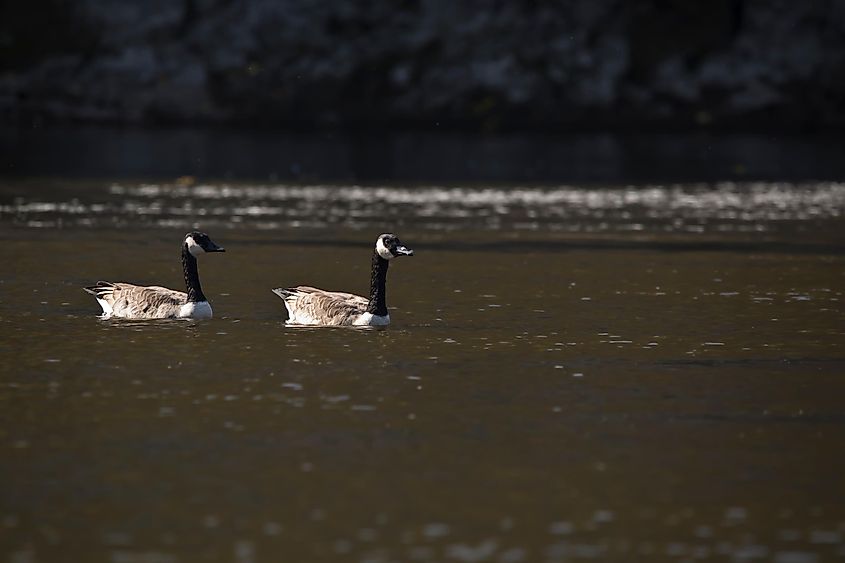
{"type": "Point", "coordinates": [129, 301]}
{"type": "Point", "coordinates": [315, 307]}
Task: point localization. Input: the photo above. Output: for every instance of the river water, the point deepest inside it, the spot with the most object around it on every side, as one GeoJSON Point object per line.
{"type": "Point", "coordinates": [614, 373]}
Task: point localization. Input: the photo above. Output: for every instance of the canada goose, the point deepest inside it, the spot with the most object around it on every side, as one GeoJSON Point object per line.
{"type": "Point", "coordinates": [311, 306]}
{"type": "Point", "coordinates": [130, 301]}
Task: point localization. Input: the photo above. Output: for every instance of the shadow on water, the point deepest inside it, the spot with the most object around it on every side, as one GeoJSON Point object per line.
{"type": "Point", "coordinates": [402, 157]}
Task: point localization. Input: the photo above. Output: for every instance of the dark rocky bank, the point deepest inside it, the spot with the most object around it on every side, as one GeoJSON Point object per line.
{"type": "Point", "coordinates": [482, 65]}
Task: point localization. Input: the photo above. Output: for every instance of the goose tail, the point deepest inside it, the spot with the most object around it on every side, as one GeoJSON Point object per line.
{"type": "Point", "coordinates": [103, 292]}
{"type": "Point", "coordinates": [284, 292]}
{"type": "Point", "coordinates": [101, 289]}
{"type": "Point", "coordinates": [288, 295]}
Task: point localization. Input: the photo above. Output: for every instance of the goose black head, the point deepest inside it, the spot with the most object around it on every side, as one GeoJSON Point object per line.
{"type": "Point", "coordinates": [388, 246]}
{"type": "Point", "coordinates": [199, 243]}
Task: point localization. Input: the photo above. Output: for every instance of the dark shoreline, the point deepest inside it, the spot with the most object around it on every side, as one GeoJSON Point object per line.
{"type": "Point", "coordinates": [414, 156]}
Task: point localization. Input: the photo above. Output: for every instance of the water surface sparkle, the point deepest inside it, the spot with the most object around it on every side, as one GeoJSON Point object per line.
{"type": "Point", "coordinates": [721, 207]}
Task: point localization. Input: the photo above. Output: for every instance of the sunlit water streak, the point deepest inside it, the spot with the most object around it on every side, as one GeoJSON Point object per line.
{"type": "Point", "coordinates": [684, 208]}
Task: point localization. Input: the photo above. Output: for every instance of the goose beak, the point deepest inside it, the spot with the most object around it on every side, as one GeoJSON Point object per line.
{"type": "Point", "coordinates": [215, 248]}
{"type": "Point", "coordinates": [403, 250]}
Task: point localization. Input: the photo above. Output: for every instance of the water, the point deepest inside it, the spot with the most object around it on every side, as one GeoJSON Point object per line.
{"type": "Point", "coordinates": [607, 373]}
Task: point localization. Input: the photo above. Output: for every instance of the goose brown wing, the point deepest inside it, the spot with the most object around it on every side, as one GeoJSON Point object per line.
{"type": "Point", "coordinates": [146, 302]}
{"type": "Point", "coordinates": [315, 306]}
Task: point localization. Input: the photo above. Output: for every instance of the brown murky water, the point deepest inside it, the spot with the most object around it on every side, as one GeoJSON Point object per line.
{"type": "Point", "coordinates": [614, 374]}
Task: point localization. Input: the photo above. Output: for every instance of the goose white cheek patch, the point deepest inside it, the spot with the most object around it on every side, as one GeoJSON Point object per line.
{"type": "Point", "coordinates": [382, 250]}
{"type": "Point", "coordinates": [193, 247]}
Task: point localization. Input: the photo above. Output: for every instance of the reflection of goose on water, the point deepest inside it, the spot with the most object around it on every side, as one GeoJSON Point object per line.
{"type": "Point", "coordinates": [311, 306]}
{"type": "Point", "coordinates": [130, 301]}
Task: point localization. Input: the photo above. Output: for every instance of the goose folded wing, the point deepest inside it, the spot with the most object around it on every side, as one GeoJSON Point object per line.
{"type": "Point", "coordinates": [135, 301]}
{"type": "Point", "coordinates": [328, 307]}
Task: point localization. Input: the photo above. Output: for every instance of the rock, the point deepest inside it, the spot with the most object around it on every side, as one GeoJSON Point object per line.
{"type": "Point", "coordinates": [417, 62]}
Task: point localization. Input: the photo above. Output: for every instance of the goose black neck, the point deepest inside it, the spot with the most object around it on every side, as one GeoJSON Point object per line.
{"type": "Point", "coordinates": [192, 277]}
{"type": "Point", "coordinates": [378, 290]}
